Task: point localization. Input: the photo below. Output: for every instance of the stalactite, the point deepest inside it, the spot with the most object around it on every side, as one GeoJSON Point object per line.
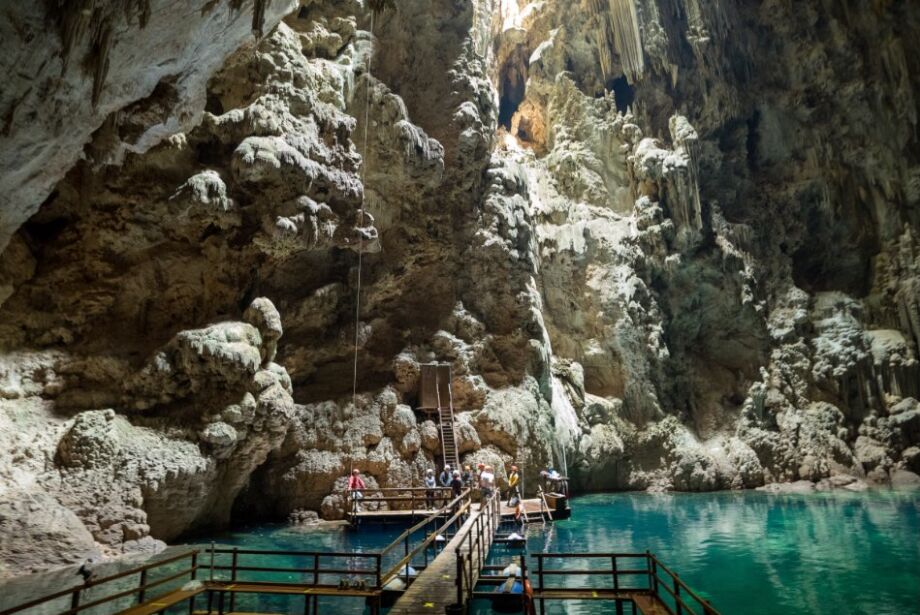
{"type": "Point", "coordinates": [624, 23]}
{"type": "Point", "coordinates": [258, 16]}
{"type": "Point", "coordinates": [99, 57]}
{"type": "Point", "coordinates": [617, 28]}
{"type": "Point", "coordinates": [78, 20]}
{"type": "Point", "coordinates": [686, 139]}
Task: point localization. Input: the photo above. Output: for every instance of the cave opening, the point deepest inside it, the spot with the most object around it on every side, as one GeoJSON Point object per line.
{"type": "Point", "coordinates": [841, 244]}
{"type": "Point", "coordinates": [623, 93]}
{"type": "Point", "coordinates": [512, 88]}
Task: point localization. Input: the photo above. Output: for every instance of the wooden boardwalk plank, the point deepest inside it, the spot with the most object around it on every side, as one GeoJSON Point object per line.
{"type": "Point", "coordinates": [647, 603]}
{"type": "Point", "coordinates": [436, 586]}
{"type": "Point", "coordinates": [163, 602]}
{"type": "Point", "coordinates": [369, 514]}
{"type": "Point", "coordinates": [288, 589]}
{"type": "Point", "coordinates": [651, 605]}
{"type": "Point", "coordinates": [532, 507]}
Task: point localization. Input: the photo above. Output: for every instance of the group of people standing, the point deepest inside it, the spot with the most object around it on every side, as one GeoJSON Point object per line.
{"type": "Point", "coordinates": [483, 479]}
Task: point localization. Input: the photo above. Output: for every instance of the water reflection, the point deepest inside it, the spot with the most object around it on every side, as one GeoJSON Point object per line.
{"type": "Point", "coordinates": [753, 553]}
{"type": "Point", "coordinates": [749, 553]}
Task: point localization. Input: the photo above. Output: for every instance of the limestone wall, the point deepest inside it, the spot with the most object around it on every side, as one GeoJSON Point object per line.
{"type": "Point", "coordinates": [667, 244]}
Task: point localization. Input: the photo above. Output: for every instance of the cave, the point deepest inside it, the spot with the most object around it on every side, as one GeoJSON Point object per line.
{"type": "Point", "coordinates": [623, 92]}
{"type": "Point", "coordinates": [512, 87]}
{"type": "Point", "coordinates": [237, 239]}
{"type": "Point", "coordinates": [840, 247]}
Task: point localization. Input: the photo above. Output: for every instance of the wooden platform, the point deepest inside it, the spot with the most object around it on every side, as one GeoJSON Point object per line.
{"type": "Point", "coordinates": [647, 603]}
{"type": "Point", "coordinates": [532, 506]}
{"type": "Point", "coordinates": [163, 602]}
{"type": "Point", "coordinates": [534, 509]}
{"type": "Point", "coordinates": [288, 589]}
{"type": "Point", "coordinates": [436, 586]}
{"type": "Point", "coordinates": [381, 516]}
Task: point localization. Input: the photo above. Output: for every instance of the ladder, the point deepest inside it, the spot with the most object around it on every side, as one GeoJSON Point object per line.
{"type": "Point", "coordinates": [449, 449]}
{"type": "Point", "coordinates": [448, 439]}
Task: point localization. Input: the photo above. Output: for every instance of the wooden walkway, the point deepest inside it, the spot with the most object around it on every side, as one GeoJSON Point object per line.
{"type": "Point", "coordinates": [533, 508]}
{"type": "Point", "coordinates": [436, 587]}
{"type": "Point", "coordinates": [646, 602]}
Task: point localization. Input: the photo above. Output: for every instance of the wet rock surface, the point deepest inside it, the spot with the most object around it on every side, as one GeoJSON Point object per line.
{"type": "Point", "coordinates": [658, 249]}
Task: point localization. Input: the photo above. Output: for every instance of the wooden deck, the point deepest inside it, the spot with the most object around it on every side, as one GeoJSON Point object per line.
{"type": "Point", "coordinates": [436, 587]}
{"type": "Point", "coordinates": [391, 515]}
{"type": "Point", "coordinates": [533, 507]}
{"type": "Point", "coordinates": [163, 602]}
{"type": "Point", "coordinates": [646, 602]}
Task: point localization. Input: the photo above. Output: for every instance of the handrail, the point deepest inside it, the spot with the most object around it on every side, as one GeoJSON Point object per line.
{"type": "Point", "coordinates": [395, 570]}
{"type": "Point", "coordinates": [486, 523]}
{"type": "Point", "coordinates": [418, 489]}
{"type": "Point", "coordinates": [673, 585]}
{"type": "Point", "coordinates": [230, 551]}
{"type": "Point", "coordinates": [416, 495]}
{"type": "Point", "coordinates": [679, 583]}
{"type": "Point", "coordinates": [588, 555]}
{"type": "Point", "coordinates": [317, 567]}
{"type": "Point", "coordinates": [465, 494]}
{"type": "Point", "coordinates": [76, 591]}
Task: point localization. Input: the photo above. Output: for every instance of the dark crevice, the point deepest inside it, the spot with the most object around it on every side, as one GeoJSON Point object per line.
{"type": "Point", "coordinates": [623, 93]}
{"type": "Point", "coordinates": [508, 105]}
{"type": "Point", "coordinates": [512, 87]}
{"type": "Point", "coordinates": [752, 140]}
{"type": "Point", "coordinates": [214, 106]}
{"type": "Point", "coordinates": [841, 243]}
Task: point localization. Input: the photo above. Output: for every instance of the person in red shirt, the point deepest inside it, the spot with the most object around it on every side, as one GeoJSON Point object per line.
{"type": "Point", "coordinates": [356, 486]}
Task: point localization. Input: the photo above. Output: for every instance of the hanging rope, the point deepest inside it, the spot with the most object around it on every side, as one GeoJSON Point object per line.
{"type": "Point", "coordinates": [367, 104]}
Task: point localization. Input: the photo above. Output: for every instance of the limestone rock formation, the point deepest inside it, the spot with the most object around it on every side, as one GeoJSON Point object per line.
{"type": "Point", "coordinates": [661, 245]}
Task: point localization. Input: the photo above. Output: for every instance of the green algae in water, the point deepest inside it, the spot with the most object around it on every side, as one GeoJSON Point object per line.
{"type": "Point", "coordinates": [747, 552]}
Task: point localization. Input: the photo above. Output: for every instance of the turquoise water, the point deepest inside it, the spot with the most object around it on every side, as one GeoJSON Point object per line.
{"type": "Point", "coordinates": [758, 553]}
{"type": "Point", "coordinates": [303, 538]}
{"type": "Point", "coordinates": [747, 552]}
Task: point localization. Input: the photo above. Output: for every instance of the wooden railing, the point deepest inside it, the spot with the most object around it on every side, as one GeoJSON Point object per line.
{"type": "Point", "coordinates": [474, 544]}
{"type": "Point", "coordinates": [398, 498]}
{"type": "Point", "coordinates": [678, 590]}
{"type": "Point", "coordinates": [644, 572]}
{"type": "Point", "coordinates": [78, 598]}
{"type": "Point", "coordinates": [458, 508]}
{"type": "Point", "coordinates": [317, 567]}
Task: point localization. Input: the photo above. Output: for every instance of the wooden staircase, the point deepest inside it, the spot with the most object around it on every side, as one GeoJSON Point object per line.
{"type": "Point", "coordinates": [448, 438]}
{"type": "Point", "coordinates": [436, 396]}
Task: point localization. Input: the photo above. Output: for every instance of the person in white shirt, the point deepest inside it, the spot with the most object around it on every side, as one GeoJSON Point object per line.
{"type": "Point", "coordinates": [487, 482]}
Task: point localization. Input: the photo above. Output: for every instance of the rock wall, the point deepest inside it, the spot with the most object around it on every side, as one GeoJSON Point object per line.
{"type": "Point", "coordinates": [661, 244]}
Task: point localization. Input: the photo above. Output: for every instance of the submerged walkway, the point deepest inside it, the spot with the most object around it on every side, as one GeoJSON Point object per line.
{"type": "Point", "coordinates": [436, 587]}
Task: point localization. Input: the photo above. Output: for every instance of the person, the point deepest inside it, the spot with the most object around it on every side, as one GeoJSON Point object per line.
{"type": "Point", "coordinates": [467, 475]}
{"type": "Point", "coordinates": [445, 477]}
{"type": "Point", "coordinates": [514, 480]}
{"type": "Point", "coordinates": [356, 486]}
{"type": "Point", "coordinates": [486, 482]}
{"type": "Point", "coordinates": [456, 483]}
{"type": "Point", "coordinates": [430, 486]}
